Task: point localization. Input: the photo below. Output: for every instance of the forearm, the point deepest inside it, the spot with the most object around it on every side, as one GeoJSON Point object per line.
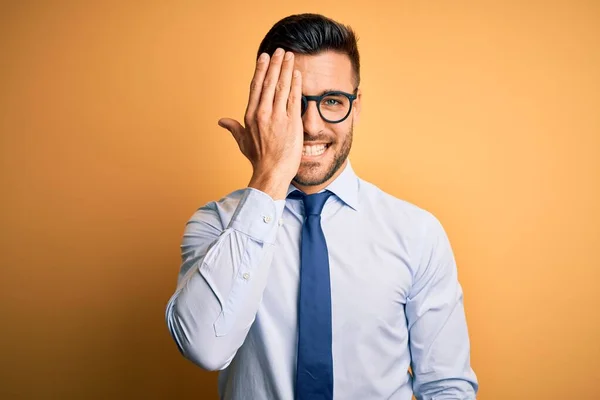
{"type": "Point", "coordinates": [447, 389]}
{"type": "Point", "coordinates": [209, 316]}
{"type": "Point", "coordinates": [217, 299]}
{"type": "Point", "coordinates": [441, 354]}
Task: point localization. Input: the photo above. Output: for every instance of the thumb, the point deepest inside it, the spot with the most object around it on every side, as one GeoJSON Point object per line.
{"type": "Point", "coordinates": [232, 126]}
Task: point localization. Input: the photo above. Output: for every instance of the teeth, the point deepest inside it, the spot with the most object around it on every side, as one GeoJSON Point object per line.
{"type": "Point", "coordinates": [314, 150]}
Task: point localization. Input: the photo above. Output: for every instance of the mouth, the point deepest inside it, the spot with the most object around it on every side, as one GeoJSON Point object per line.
{"type": "Point", "coordinates": [315, 151]}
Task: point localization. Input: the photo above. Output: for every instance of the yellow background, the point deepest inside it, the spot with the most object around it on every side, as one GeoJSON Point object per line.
{"type": "Point", "coordinates": [485, 114]}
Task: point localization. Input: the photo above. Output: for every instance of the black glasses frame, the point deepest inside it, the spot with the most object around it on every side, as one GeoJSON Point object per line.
{"type": "Point", "coordinates": [317, 99]}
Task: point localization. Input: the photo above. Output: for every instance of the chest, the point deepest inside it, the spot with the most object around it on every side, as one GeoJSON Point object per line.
{"type": "Point", "coordinates": [369, 274]}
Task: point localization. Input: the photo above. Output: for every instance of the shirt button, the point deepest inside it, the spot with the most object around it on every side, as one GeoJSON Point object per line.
{"type": "Point", "coordinates": [246, 276]}
{"type": "Point", "coordinates": [266, 219]}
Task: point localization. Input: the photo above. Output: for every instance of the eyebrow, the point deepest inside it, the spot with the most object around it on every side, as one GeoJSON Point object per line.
{"type": "Point", "coordinates": [328, 91]}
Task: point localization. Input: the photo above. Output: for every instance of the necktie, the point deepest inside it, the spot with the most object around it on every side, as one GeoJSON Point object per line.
{"type": "Point", "coordinates": [314, 374]}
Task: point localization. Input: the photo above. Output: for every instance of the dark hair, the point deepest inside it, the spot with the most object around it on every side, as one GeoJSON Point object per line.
{"type": "Point", "coordinates": [312, 34]}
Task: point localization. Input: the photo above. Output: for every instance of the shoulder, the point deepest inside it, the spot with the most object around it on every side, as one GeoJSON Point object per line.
{"type": "Point", "coordinates": [412, 218]}
{"type": "Point", "coordinates": [416, 229]}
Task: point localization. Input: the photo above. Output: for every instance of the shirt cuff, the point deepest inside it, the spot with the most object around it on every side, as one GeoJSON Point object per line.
{"type": "Point", "coordinates": [257, 215]}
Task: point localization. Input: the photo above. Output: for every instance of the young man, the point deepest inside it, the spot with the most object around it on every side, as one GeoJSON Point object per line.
{"type": "Point", "coordinates": [312, 283]}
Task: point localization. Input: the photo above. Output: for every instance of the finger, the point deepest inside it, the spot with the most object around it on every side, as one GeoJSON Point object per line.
{"type": "Point", "coordinates": [232, 126]}
{"type": "Point", "coordinates": [295, 99]}
{"type": "Point", "coordinates": [268, 90]}
{"type": "Point", "coordinates": [262, 64]}
{"type": "Point", "coordinates": [282, 90]}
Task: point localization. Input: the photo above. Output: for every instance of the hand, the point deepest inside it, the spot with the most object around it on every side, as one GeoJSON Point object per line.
{"type": "Point", "coordinates": [273, 137]}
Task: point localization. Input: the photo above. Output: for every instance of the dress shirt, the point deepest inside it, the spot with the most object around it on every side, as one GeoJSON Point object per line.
{"type": "Point", "coordinates": [395, 297]}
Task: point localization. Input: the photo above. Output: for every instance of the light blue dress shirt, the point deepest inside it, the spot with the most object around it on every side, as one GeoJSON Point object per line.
{"type": "Point", "coordinates": [396, 298]}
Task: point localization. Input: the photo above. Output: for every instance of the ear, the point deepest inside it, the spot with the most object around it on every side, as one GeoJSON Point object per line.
{"type": "Point", "coordinates": [357, 106]}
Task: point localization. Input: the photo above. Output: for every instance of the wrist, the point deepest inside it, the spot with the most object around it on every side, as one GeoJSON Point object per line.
{"type": "Point", "coordinates": [271, 184]}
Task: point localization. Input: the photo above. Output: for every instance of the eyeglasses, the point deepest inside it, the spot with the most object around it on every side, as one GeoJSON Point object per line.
{"type": "Point", "coordinates": [334, 107]}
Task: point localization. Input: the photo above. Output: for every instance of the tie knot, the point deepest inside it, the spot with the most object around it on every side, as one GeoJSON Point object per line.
{"type": "Point", "coordinates": [313, 203]}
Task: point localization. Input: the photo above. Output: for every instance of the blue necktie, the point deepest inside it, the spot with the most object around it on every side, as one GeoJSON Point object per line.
{"type": "Point", "coordinates": [314, 374]}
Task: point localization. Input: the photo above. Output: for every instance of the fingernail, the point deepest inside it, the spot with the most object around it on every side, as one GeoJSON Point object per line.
{"type": "Point", "coordinates": [279, 52]}
{"type": "Point", "coordinates": [263, 57]}
{"type": "Point", "coordinates": [288, 55]}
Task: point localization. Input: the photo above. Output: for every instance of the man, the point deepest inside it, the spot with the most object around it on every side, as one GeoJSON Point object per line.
{"type": "Point", "coordinates": [312, 283]}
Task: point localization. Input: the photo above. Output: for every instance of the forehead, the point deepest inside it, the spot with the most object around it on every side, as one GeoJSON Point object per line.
{"type": "Point", "coordinates": [325, 71]}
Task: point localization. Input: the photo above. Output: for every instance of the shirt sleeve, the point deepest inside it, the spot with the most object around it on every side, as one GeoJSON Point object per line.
{"type": "Point", "coordinates": [223, 275]}
{"type": "Point", "coordinates": [439, 340]}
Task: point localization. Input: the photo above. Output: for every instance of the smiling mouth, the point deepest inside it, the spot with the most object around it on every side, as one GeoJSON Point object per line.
{"type": "Point", "coordinates": [315, 150]}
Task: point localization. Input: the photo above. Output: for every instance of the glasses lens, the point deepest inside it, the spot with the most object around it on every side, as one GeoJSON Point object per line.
{"type": "Point", "coordinates": [334, 107]}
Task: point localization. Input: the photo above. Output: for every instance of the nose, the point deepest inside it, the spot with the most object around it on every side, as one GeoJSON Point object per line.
{"type": "Point", "coordinates": [312, 121]}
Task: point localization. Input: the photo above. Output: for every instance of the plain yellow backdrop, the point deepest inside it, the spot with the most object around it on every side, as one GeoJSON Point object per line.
{"type": "Point", "coordinates": [486, 114]}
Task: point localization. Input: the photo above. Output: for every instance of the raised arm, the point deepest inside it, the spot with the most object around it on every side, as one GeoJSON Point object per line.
{"type": "Point", "coordinates": [225, 265]}
{"type": "Point", "coordinates": [223, 275]}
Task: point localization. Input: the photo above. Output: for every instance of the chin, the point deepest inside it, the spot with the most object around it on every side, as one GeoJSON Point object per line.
{"type": "Point", "coordinates": [311, 175]}
{"type": "Point", "coordinates": [319, 169]}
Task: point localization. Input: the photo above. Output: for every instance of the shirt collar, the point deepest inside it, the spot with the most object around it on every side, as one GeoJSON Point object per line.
{"type": "Point", "coordinates": [345, 186]}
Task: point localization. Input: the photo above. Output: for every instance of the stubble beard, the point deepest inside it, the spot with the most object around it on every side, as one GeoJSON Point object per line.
{"type": "Point", "coordinates": [310, 175]}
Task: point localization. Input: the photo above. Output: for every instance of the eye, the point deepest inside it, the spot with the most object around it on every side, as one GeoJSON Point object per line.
{"type": "Point", "coordinates": [334, 101]}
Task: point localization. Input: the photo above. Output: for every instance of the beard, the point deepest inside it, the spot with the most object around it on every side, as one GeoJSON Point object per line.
{"type": "Point", "coordinates": [311, 175]}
